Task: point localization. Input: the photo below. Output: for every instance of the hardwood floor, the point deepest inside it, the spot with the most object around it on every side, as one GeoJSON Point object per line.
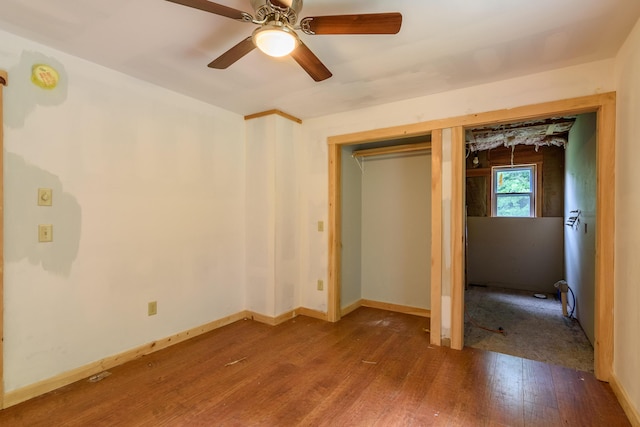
{"type": "Point", "coordinates": [373, 368]}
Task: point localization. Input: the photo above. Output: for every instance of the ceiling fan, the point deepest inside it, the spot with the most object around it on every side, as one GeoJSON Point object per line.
{"type": "Point", "coordinates": [276, 35]}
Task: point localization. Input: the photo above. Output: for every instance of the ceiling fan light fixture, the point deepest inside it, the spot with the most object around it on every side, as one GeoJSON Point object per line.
{"type": "Point", "coordinates": [275, 39]}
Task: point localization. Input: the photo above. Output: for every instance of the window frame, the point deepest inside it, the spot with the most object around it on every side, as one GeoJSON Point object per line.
{"type": "Point", "coordinates": [534, 196]}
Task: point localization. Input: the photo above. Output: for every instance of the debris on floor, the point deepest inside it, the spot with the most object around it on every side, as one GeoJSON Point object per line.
{"type": "Point", "coordinates": [235, 361]}
{"type": "Point", "coordinates": [99, 377]}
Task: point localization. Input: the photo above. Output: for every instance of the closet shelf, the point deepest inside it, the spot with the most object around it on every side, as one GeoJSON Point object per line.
{"type": "Point", "coordinates": [407, 148]}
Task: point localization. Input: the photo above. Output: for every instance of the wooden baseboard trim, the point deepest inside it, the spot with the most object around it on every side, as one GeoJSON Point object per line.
{"type": "Point", "coordinates": [25, 393]}
{"type": "Point", "coordinates": [422, 312]}
{"type": "Point", "coordinates": [41, 387]}
{"type": "Point", "coordinates": [270, 320]}
{"type": "Point", "coordinates": [275, 321]}
{"type": "Point", "coordinates": [631, 411]}
{"type": "Point", "coordinates": [302, 311]}
{"type": "Point", "coordinates": [351, 307]}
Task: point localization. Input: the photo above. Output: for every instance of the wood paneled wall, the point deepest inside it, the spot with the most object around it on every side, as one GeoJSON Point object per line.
{"type": "Point", "coordinates": [550, 185]}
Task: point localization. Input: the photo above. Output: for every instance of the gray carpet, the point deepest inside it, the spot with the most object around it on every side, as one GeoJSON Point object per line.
{"type": "Point", "coordinates": [533, 328]}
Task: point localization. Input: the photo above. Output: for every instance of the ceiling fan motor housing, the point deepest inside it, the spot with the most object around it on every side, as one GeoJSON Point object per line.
{"type": "Point", "coordinates": [266, 9]}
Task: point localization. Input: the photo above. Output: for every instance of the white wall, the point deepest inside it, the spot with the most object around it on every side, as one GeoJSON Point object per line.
{"type": "Point", "coordinates": [580, 240]}
{"type": "Point", "coordinates": [148, 204]}
{"type": "Point", "coordinates": [287, 221]}
{"type": "Point", "coordinates": [272, 220]}
{"type": "Point", "coordinates": [627, 239]}
{"type": "Point", "coordinates": [396, 229]}
{"type": "Point", "coordinates": [261, 215]}
{"type": "Point", "coordinates": [516, 253]}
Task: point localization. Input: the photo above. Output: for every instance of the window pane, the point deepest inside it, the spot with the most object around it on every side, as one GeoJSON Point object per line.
{"type": "Point", "coordinates": [513, 205]}
{"type": "Point", "coordinates": [514, 181]}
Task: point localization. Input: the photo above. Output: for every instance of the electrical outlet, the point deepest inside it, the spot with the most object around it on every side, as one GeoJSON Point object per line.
{"type": "Point", "coordinates": [320, 285]}
{"type": "Point", "coordinates": [152, 308]}
{"type": "Point", "coordinates": [45, 233]}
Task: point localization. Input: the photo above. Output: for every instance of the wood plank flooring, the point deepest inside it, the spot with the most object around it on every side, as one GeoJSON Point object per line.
{"type": "Point", "coordinates": [373, 368]}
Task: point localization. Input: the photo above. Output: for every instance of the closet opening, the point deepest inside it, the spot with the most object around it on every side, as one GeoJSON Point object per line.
{"type": "Point", "coordinates": [385, 225]}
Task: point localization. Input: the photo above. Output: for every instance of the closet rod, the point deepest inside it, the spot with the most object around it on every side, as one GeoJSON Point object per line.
{"type": "Point", "coordinates": [407, 148]}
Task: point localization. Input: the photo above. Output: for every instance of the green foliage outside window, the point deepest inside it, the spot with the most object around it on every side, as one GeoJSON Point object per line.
{"type": "Point", "coordinates": [514, 191]}
{"type": "Point", "coordinates": [514, 205]}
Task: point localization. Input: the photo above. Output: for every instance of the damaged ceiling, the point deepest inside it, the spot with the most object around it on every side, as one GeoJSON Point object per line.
{"type": "Point", "coordinates": [548, 132]}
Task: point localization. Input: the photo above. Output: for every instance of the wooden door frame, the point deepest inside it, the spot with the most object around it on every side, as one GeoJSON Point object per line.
{"type": "Point", "coordinates": [3, 82]}
{"type": "Point", "coordinates": [604, 105]}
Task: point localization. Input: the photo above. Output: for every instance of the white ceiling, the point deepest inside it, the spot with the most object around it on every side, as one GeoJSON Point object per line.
{"type": "Point", "coordinates": [443, 45]}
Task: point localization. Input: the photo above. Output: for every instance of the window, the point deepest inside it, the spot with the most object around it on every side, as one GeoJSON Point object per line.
{"type": "Point", "coordinates": [514, 191]}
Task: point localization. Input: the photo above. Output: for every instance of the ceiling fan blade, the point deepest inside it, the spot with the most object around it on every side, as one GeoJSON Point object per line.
{"type": "Point", "coordinates": [233, 54]}
{"type": "Point", "coordinates": [216, 8]}
{"type": "Point", "coordinates": [371, 23]}
{"type": "Point", "coordinates": [310, 63]}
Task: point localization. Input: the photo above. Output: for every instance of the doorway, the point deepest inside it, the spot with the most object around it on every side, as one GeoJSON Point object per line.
{"type": "Point", "coordinates": [385, 245]}
{"type": "Point", "coordinates": [523, 180]}
{"type": "Point", "coordinates": [449, 240]}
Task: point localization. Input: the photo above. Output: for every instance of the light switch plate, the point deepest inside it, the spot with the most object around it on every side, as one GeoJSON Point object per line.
{"type": "Point", "coordinates": [45, 233]}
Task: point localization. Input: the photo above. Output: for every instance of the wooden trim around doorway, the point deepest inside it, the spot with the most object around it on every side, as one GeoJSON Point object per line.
{"type": "Point", "coordinates": [605, 237]}
{"type": "Point", "coordinates": [436, 238]}
{"type": "Point", "coordinates": [457, 237]}
{"type": "Point", "coordinates": [603, 105]}
{"type": "Point", "coordinates": [335, 233]}
{"type": "Point", "coordinates": [3, 82]}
